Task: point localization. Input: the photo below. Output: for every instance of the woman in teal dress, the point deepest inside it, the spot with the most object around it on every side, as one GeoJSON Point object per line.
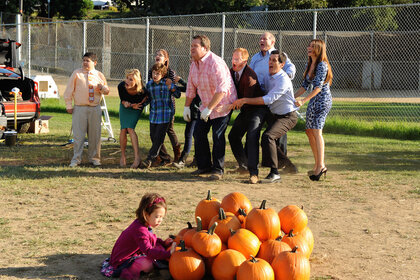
{"type": "Point", "coordinates": [132, 94]}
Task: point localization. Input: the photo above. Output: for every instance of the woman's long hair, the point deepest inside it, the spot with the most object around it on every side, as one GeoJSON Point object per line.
{"type": "Point", "coordinates": [166, 55]}
{"type": "Point", "coordinates": [320, 50]}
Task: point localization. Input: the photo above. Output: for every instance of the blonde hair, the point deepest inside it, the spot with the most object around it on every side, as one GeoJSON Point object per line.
{"type": "Point", "coordinates": [320, 50]}
{"type": "Point", "coordinates": [136, 77]}
{"type": "Point", "coordinates": [244, 53]}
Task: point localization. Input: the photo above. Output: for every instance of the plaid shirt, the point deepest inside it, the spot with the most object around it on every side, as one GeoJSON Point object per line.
{"type": "Point", "coordinates": [161, 108]}
{"type": "Point", "coordinates": [207, 77]}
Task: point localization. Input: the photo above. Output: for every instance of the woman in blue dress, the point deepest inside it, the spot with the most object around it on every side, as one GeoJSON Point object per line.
{"type": "Point", "coordinates": [318, 73]}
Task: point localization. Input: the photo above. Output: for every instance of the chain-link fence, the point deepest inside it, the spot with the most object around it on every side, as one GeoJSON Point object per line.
{"type": "Point", "coordinates": [373, 51]}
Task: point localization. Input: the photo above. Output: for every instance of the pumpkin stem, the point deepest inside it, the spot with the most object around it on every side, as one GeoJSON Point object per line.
{"type": "Point", "coordinates": [291, 234]}
{"type": "Point", "coordinates": [222, 214]}
{"type": "Point", "coordinates": [199, 224]}
{"type": "Point", "coordinates": [208, 195]}
{"type": "Point", "coordinates": [294, 249]}
{"type": "Point", "coordinates": [279, 238]}
{"type": "Point", "coordinates": [232, 232]}
{"type": "Point", "coordinates": [242, 212]}
{"type": "Point", "coordinates": [301, 207]}
{"type": "Point", "coordinates": [253, 259]}
{"type": "Point", "coordinates": [263, 204]}
{"type": "Point", "coordinates": [189, 225]}
{"type": "Point", "coordinates": [212, 228]}
{"type": "Point", "coordinates": [182, 245]}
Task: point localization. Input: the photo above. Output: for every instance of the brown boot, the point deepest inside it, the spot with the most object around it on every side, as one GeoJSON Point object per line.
{"type": "Point", "coordinates": [177, 153]}
{"type": "Point", "coordinates": [156, 162]}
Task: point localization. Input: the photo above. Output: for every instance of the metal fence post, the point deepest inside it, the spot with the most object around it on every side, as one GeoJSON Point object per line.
{"type": "Point", "coordinates": [19, 36]}
{"type": "Point", "coordinates": [147, 48]}
{"type": "Point", "coordinates": [371, 61]}
{"type": "Point", "coordinates": [314, 25]}
{"type": "Point", "coordinates": [106, 54]}
{"type": "Point", "coordinates": [222, 51]}
{"type": "Point", "coordinates": [280, 41]}
{"type": "Point", "coordinates": [235, 38]}
{"type": "Point", "coordinates": [29, 49]}
{"type": "Point", "coordinates": [56, 46]}
{"type": "Point", "coordinates": [85, 36]}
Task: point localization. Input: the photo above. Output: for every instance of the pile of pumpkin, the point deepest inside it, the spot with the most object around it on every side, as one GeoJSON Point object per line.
{"type": "Point", "coordinates": [232, 240]}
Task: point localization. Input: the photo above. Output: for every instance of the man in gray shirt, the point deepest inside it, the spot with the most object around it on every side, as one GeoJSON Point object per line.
{"type": "Point", "coordinates": [281, 102]}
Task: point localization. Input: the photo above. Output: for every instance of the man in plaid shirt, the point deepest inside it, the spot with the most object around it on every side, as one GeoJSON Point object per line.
{"type": "Point", "coordinates": [209, 78]}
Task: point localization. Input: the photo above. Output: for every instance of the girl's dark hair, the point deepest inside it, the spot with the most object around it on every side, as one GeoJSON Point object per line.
{"type": "Point", "coordinates": [149, 202]}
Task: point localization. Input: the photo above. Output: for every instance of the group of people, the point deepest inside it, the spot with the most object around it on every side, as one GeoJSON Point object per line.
{"type": "Point", "coordinates": [262, 91]}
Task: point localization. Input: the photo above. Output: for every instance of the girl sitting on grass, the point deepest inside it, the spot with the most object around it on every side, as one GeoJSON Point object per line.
{"type": "Point", "coordinates": [138, 249]}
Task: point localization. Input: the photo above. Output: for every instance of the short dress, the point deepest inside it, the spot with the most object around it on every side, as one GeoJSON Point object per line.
{"type": "Point", "coordinates": [129, 116]}
{"type": "Point", "coordinates": [319, 106]}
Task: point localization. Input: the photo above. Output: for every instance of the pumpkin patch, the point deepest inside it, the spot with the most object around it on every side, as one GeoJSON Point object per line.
{"type": "Point", "coordinates": [232, 240]}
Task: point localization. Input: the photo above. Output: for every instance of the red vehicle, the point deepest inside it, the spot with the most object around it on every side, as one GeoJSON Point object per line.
{"type": "Point", "coordinates": [11, 76]}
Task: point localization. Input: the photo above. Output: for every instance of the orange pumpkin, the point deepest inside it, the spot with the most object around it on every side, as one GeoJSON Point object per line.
{"type": "Point", "coordinates": [292, 217]}
{"type": "Point", "coordinates": [307, 235]}
{"type": "Point", "coordinates": [226, 264]}
{"type": "Point", "coordinates": [271, 248]}
{"type": "Point", "coordinates": [207, 243]}
{"type": "Point", "coordinates": [207, 209]}
{"type": "Point", "coordinates": [209, 261]}
{"type": "Point", "coordinates": [188, 235]}
{"type": "Point", "coordinates": [242, 217]}
{"type": "Point", "coordinates": [181, 233]}
{"type": "Point", "coordinates": [291, 265]}
{"type": "Point", "coordinates": [225, 222]}
{"type": "Point", "coordinates": [235, 201]}
{"type": "Point", "coordinates": [255, 269]}
{"type": "Point", "coordinates": [244, 241]}
{"type": "Point", "coordinates": [299, 242]}
{"type": "Point", "coordinates": [186, 264]}
{"type": "Point", "coordinates": [265, 223]}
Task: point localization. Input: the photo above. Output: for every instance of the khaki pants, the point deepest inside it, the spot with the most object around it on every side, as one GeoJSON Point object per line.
{"type": "Point", "coordinates": [87, 119]}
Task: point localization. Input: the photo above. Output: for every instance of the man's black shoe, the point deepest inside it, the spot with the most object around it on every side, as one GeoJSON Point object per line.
{"type": "Point", "coordinates": [201, 171]}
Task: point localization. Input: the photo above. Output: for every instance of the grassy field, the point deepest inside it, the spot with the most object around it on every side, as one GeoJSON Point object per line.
{"type": "Point", "coordinates": [60, 223]}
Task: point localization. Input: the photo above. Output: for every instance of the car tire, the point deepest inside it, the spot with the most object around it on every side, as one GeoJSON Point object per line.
{"type": "Point", "coordinates": [24, 127]}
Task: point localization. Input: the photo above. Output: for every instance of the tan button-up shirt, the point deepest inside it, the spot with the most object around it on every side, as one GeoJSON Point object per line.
{"type": "Point", "coordinates": [77, 89]}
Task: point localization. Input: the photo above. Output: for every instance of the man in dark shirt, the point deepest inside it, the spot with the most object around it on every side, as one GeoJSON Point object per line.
{"type": "Point", "coordinates": [250, 119]}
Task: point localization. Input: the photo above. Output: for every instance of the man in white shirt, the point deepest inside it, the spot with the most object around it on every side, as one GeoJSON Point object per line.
{"type": "Point", "coordinates": [281, 102]}
{"type": "Point", "coordinates": [259, 63]}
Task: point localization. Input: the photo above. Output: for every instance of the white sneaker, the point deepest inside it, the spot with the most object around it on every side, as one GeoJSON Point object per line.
{"type": "Point", "coordinates": [271, 178]}
{"type": "Point", "coordinates": [73, 164]}
{"type": "Point", "coordinates": [96, 163]}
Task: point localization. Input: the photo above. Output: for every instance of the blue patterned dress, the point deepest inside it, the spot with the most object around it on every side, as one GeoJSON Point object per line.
{"type": "Point", "coordinates": [320, 104]}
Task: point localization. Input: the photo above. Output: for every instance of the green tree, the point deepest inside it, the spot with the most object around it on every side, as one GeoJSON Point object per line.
{"type": "Point", "coordinates": [76, 9]}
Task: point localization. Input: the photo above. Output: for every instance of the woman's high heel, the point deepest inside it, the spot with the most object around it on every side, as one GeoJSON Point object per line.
{"type": "Point", "coordinates": [314, 177]}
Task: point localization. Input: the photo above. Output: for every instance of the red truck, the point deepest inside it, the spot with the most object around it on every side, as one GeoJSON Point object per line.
{"type": "Point", "coordinates": [12, 76]}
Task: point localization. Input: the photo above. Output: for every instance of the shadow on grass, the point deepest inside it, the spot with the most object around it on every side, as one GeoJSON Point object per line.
{"type": "Point", "coordinates": [61, 266]}
{"type": "Point", "coordinates": [153, 174]}
{"type": "Point", "coordinates": [72, 267]}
